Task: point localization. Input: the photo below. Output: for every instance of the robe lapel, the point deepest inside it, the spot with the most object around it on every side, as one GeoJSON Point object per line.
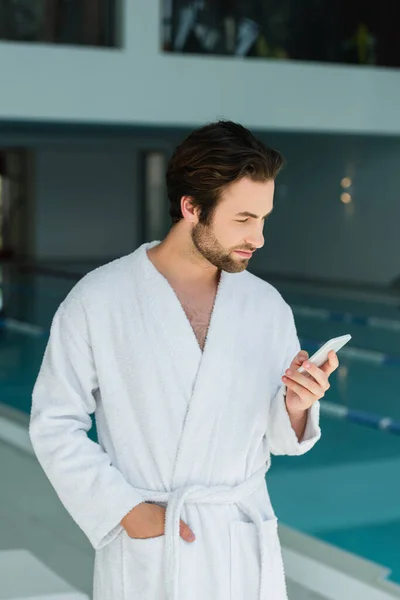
{"type": "Point", "coordinates": [173, 334]}
{"type": "Point", "coordinates": [205, 378]}
{"type": "Point", "coordinates": [211, 391]}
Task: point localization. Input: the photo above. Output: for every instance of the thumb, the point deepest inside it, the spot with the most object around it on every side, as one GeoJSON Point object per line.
{"type": "Point", "coordinates": [299, 359]}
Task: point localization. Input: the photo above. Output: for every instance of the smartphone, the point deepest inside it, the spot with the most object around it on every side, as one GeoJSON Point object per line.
{"type": "Point", "coordinates": [321, 355]}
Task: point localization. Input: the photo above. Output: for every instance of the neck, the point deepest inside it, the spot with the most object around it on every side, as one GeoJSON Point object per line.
{"type": "Point", "coordinates": [177, 259]}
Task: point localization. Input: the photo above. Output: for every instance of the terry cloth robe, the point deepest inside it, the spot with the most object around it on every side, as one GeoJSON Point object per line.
{"type": "Point", "coordinates": [189, 430]}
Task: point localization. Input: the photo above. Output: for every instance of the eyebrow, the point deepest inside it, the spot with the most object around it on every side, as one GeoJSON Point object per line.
{"type": "Point", "coordinates": [252, 215]}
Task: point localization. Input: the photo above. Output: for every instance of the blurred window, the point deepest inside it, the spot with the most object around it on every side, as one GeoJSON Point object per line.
{"type": "Point", "coordinates": [76, 22]}
{"type": "Point", "coordinates": [337, 31]}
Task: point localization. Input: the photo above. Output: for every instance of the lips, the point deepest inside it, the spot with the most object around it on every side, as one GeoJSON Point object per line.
{"type": "Point", "coordinates": [245, 253]}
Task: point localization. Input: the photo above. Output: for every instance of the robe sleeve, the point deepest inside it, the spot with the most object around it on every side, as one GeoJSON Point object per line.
{"type": "Point", "coordinates": [282, 438]}
{"type": "Point", "coordinates": [92, 490]}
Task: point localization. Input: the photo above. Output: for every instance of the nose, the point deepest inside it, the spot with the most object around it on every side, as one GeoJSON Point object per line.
{"type": "Point", "coordinates": [255, 240]}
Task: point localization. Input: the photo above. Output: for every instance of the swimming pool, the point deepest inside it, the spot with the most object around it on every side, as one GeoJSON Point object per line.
{"type": "Point", "coordinates": [346, 491]}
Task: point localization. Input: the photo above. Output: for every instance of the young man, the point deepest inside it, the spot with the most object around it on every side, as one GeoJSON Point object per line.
{"type": "Point", "coordinates": [180, 353]}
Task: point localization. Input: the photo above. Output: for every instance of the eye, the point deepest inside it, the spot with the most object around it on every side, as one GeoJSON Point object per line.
{"type": "Point", "coordinates": [244, 221]}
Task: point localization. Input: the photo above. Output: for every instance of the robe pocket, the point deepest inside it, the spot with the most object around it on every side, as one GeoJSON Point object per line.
{"type": "Point", "coordinates": [245, 561]}
{"type": "Point", "coordinates": [143, 567]}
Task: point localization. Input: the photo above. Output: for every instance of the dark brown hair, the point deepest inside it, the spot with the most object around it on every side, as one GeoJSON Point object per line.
{"type": "Point", "coordinates": [210, 159]}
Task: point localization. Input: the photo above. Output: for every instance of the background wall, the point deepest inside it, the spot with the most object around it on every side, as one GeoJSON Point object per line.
{"type": "Point", "coordinates": [312, 233]}
{"type": "Point", "coordinates": [85, 203]}
{"type": "Point", "coordinates": [88, 198]}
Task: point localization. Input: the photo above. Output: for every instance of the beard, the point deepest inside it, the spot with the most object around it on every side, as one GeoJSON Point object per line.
{"type": "Point", "coordinates": [209, 247]}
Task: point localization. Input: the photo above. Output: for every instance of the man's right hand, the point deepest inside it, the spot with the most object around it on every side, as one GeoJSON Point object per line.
{"type": "Point", "coordinates": [146, 520]}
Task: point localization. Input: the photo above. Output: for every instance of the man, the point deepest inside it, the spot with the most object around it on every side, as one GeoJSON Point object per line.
{"type": "Point", "coordinates": [180, 353]}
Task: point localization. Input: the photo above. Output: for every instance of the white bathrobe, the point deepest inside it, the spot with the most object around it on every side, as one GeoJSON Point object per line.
{"type": "Point", "coordinates": [189, 430]}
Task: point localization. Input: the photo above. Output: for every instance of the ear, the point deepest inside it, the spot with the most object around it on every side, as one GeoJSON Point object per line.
{"type": "Point", "coordinates": [189, 210]}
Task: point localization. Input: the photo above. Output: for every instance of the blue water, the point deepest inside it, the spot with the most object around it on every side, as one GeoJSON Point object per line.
{"type": "Point", "coordinates": [346, 490]}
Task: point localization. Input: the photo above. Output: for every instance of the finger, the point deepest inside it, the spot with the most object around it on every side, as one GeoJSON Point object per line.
{"type": "Point", "coordinates": [309, 383]}
{"type": "Point", "coordinates": [331, 364]}
{"type": "Point", "coordinates": [186, 532]}
{"type": "Point", "coordinates": [304, 394]}
{"type": "Point", "coordinates": [299, 359]}
{"type": "Point", "coordinates": [318, 374]}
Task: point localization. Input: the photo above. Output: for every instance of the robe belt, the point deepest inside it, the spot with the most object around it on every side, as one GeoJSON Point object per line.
{"type": "Point", "coordinates": [201, 494]}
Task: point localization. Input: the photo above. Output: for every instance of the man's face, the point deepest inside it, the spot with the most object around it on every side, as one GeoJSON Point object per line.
{"type": "Point", "coordinates": [237, 224]}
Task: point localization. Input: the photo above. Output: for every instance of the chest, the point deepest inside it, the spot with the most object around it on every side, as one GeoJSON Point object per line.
{"type": "Point", "coordinates": [198, 310]}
